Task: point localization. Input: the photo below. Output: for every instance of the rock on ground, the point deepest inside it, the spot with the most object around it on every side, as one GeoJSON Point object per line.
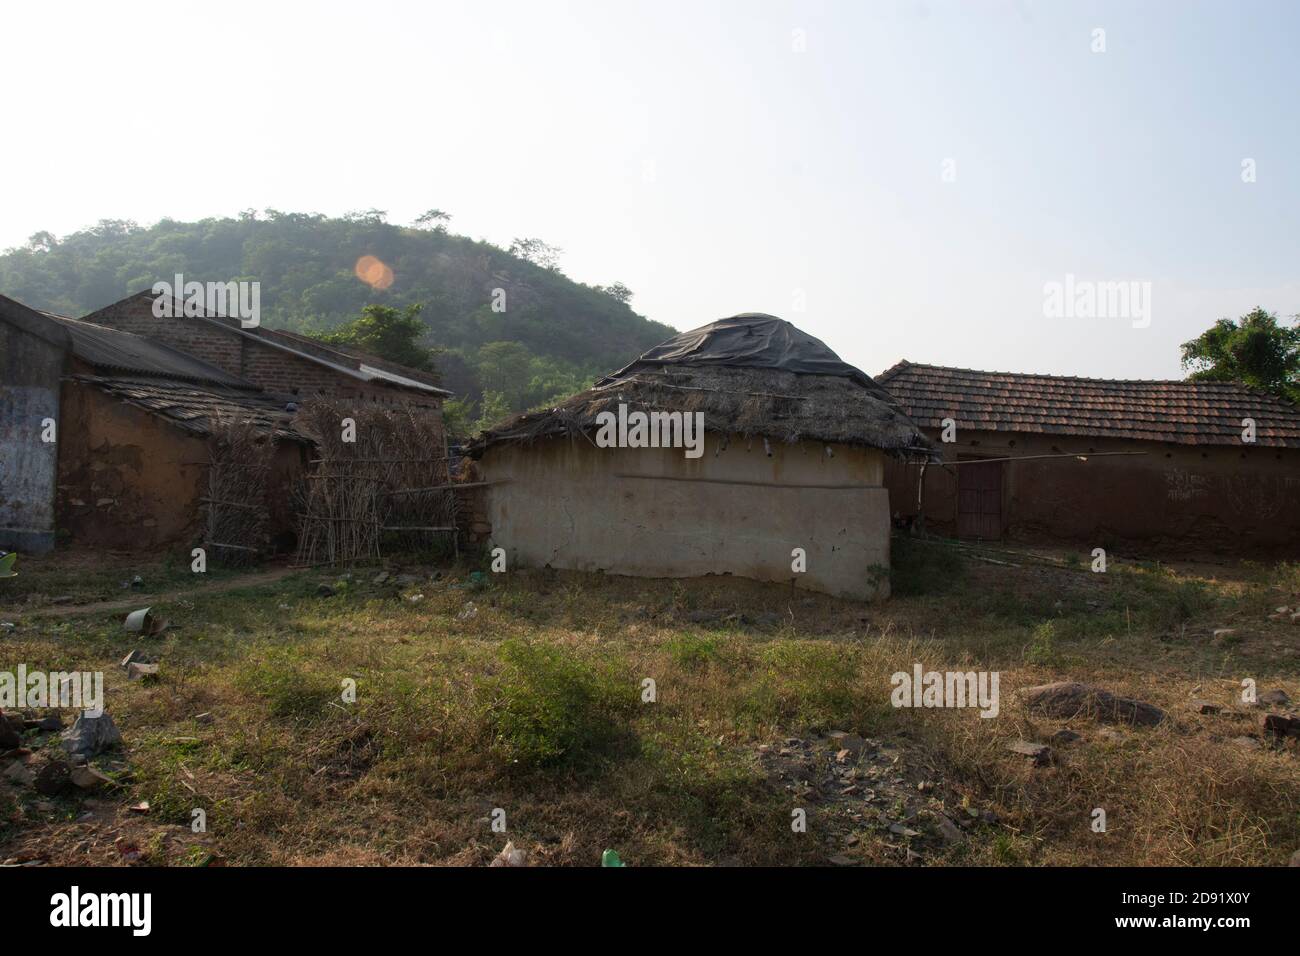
{"type": "Point", "coordinates": [90, 736]}
{"type": "Point", "coordinates": [1070, 699]}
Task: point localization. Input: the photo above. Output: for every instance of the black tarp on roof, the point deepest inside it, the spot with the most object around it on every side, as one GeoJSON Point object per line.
{"type": "Point", "coordinates": [750, 340]}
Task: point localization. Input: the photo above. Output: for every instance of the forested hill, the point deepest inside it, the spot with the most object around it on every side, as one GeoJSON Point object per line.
{"type": "Point", "coordinates": [567, 333]}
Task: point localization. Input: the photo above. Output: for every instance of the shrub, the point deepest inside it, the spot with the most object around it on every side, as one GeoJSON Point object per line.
{"type": "Point", "coordinates": [550, 707]}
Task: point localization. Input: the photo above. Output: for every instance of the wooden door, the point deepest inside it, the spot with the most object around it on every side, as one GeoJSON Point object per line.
{"type": "Point", "coordinates": [979, 500]}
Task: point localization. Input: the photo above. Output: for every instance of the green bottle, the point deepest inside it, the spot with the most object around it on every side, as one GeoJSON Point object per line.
{"type": "Point", "coordinates": [610, 858]}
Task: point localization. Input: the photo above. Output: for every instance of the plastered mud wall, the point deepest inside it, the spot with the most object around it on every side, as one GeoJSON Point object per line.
{"type": "Point", "coordinates": [30, 368]}
{"type": "Point", "coordinates": [653, 512]}
{"type": "Point", "coordinates": [1213, 499]}
{"type": "Point", "coordinates": [128, 480]}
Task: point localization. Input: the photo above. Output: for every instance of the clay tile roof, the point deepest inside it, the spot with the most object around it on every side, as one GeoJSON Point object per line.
{"type": "Point", "coordinates": [194, 407]}
{"type": "Point", "coordinates": [1184, 412]}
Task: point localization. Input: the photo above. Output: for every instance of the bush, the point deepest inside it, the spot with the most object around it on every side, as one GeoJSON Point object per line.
{"type": "Point", "coordinates": [289, 690]}
{"type": "Point", "coordinates": [809, 685]}
{"type": "Point", "coordinates": [550, 707]}
{"type": "Point", "coordinates": [692, 651]}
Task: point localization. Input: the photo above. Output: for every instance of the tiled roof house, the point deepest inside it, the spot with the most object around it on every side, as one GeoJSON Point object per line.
{"type": "Point", "coordinates": [1206, 465]}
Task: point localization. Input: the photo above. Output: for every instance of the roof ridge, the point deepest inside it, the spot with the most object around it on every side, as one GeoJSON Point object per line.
{"type": "Point", "coordinates": [1078, 378]}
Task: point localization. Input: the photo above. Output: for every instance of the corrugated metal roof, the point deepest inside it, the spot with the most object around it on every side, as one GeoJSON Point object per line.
{"type": "Point", "coordinates": [114, 349]}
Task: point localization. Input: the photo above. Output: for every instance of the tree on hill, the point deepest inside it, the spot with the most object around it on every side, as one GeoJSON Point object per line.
{"type": "Point", "coordinates": [434, 219]}
{"type": "Point", "coordinates": [307, 265]}
{"type": "Point", "coordinates": [1254, 349]}
{"type": "Point", "coordinates": [389, 333]}
{"type": "Point", "coordinates": [537, 252]}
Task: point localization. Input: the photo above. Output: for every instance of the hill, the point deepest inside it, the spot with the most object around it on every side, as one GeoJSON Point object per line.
{"type": "Point", "coordinates": [547, 336]}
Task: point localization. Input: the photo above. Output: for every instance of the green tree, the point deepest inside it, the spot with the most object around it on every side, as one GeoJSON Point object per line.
{"type": "Point", "coordinates": [434, 219]}
{"type": "Point", "coordinates": [1254, 349]}
{"type": "Point", "coordinates": [456, 416]}
{"type": "Point", "coordinates": [618, 292]}
{"type": "Point", "coordinates": [537, 252]}
{"type": "Point", "coordinates": [494, 410]}
{"type": "Point", "coordinates": [505, 368]}
{"type": "Point", "coordinates": [389, 333]}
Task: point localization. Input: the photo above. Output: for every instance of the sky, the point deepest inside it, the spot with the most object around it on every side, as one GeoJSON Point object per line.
{"type": "Point", "coordinates": [902, 179]}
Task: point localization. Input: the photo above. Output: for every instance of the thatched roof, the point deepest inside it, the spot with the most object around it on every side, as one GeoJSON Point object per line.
{"type": "Point", "coordinates": [746, 375]}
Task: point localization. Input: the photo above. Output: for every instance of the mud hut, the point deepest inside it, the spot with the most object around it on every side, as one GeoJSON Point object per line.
{"type": "Point", "coordinates": [744, 447]}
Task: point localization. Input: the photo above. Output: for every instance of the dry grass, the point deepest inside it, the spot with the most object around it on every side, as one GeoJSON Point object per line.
{"type": "Point", "coordinates": [533, 705]}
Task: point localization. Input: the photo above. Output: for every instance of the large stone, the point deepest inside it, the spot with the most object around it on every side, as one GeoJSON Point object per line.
{"type": "Point", "coordinates": [90, 736]}
{"type": "Point", "coordinates": [52, 779]}
{"type": "Point", "coordinates": [9, 737]}
{"type": "Point", "coordinates": [1280, 725]}
{"type": "Point", "coordinates": [1275, 698]}
{"type": "Point", "coordinates": [1071, 699]}
{"type": "Point", "coordinates": [19, 774]}
{"type": "Point", "coordinates": [88, 778]}
{"type": "Point", "coordinates": [1040, 753]}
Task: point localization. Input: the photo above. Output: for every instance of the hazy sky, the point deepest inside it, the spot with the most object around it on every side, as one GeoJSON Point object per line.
{"type": "Point", "coordinates": [718, 157]}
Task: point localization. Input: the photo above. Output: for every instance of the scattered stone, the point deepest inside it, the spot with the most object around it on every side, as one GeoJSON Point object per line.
{"type": "Point", "coordinates": [415, 598]}
{"type": "Point", "coordinates": [468, 612]}
{"type": "Point", "coordinates": [1065, 736]}
{"type": "Point", "coordinates": [1246, 743]}
{"type": "Point", "coordinates": [703, 617]}
{"type": "Point", "coordinates": [381, 577]}
{"type": "Point", "coordinates": [134, 657]}
{"type": "Point", "coordinates": [951, 832]}
{"type": "Point", "coordinates": [20, 774]}
{"type": "Point", "coordinates": [844, 756]}
{"type": "Point", "coordinates": [1275, 698]}
{"type": "Point", "coordinates": [1295, 859]}
{"type": "Point", "coordinates": [91, 735]}
{"type": "Point", "coordinates": [839, 859]}
{"type": "Point", "coordinates": [1040, 753]}
{"type": "Point", "coordinates": [1205, 707]}
{"type": "Point", "coordinates": [205, 718]}
{"type": "Point", "coordinates": [405, 579]}
{"type": "Point", "coordinates": [1066, 699]}
{"type": "Point", "coordinates": [136, 671]}
{"type": "Point", "coordinates": [130, 852]}
{"type": "Point", "coordinates": [52, 779]}
{"type": "Point", "coordinates": [88, 778]}
{"type": "Point", "coordinates": [510, 856]}
{"type": "Point", "coordinates": [1280, 725]}
{"type": "Point", "coordinates": [48, 724]}
{"type": "Point", "coordinates": [324, 590]}
{"type": "Point", "coordinates": [899, 829]}
{"type": "Point", "coordinates": [142, 807]}
{"type": "Point", "coordinates": [62, 599]}
{"type": "Point", "coordinates": [9, 737]}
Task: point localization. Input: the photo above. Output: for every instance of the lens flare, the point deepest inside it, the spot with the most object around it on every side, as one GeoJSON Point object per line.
{"type": "Point", "coordinates": [373, 272]}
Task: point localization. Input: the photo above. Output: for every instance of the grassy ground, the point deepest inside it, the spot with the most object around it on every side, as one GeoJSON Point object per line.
{"type": "Point", "coordinates": [533, 704]}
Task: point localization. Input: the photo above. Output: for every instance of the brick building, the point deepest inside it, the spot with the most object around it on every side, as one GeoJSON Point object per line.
{"type": "Point", "coordinates": [106, 422]}
{"type": "Point", "coordinates": [1100, 462]}
{"type": "Point", "coordinates": [273, 359]}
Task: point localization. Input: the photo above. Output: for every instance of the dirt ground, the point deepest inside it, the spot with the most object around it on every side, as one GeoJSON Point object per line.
{"type": "Point", "coordinates": [428, 714]}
